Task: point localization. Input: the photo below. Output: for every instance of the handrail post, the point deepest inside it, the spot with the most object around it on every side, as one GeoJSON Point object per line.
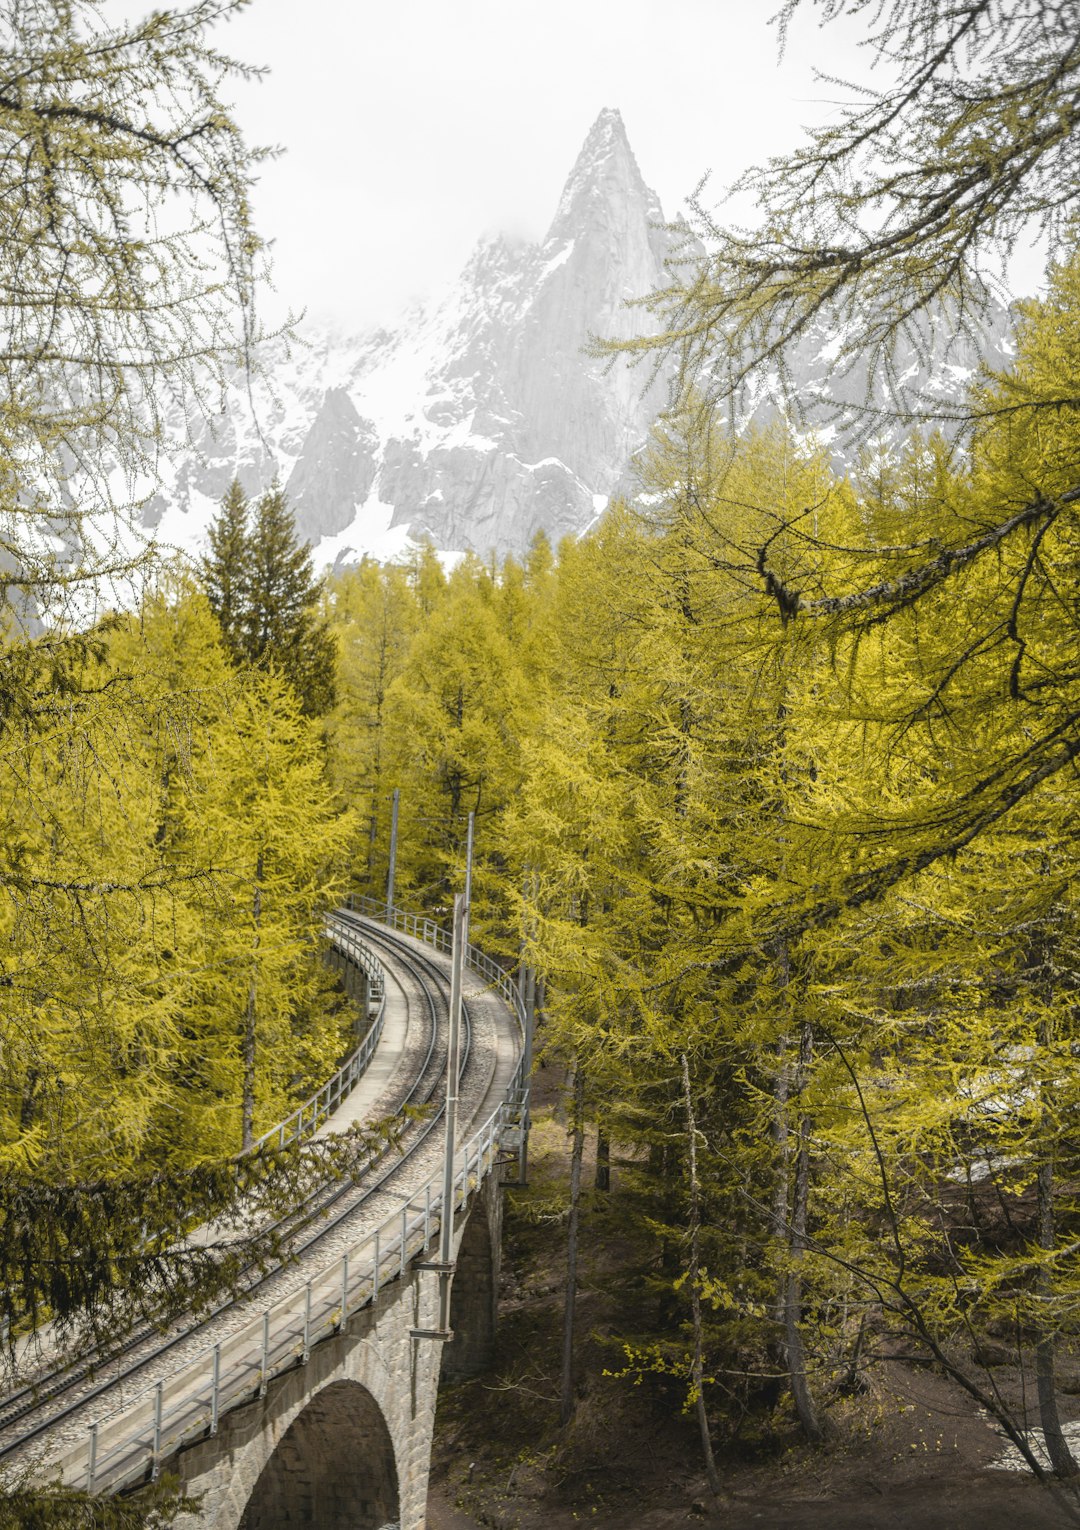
{"type": "Point", "coordinates": [404, 1236]}
{"type": "Point", "coordinates": [264, 1364]}
{"type": "Point", "coordinates": [214, 1391]}
{"type": "Point", "coordinates": [427, 1214]}
{"type": "Point", "coordinates": [344, 1290]}
{"type": "Point", "coordinates": [155, 1465]}
{"type": "Point", "coordinates": [375, 1282]}
{"type": "Point", "coordinates": [91, 1461]}
{"type": "Point", "coordinates": [307, 1321]}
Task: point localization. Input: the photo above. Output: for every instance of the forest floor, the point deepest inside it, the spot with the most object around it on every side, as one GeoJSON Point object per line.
{"type": "Point", "coordinates": [911, 1451]}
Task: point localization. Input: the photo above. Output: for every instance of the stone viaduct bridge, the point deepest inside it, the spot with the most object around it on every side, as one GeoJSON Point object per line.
{"type": "Point", "coordinates": [311, 1402]}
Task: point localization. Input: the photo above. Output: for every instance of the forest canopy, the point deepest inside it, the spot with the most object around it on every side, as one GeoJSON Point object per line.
{"type": "Point", "coordinates": [772, 773]}
{"type": "Point", "coordinates": [799, 873]}
{"type": "Point", "coordinates": [171, 841]}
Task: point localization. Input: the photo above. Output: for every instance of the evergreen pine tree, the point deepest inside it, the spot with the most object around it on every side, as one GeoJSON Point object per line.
{"type": "Point", "coordinates": [264, 592]}
{"type": "Point", "coordinates": [225, 568]}
{"type": "Point", "coordinates": [282, 592]}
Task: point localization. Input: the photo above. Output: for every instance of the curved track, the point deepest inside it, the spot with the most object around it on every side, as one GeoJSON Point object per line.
{"type": "Point", "coordinates": [52, 1395]}
{"type": "Point", "coordinates": [55, 1406]}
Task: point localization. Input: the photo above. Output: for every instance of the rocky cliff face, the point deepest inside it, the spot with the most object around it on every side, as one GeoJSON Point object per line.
{"type": "Point", "coordinates": [478, 420]}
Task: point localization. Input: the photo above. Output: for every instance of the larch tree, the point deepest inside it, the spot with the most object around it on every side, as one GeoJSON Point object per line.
{"type": "Point", "coordinates": [261, 816]}
{"type": "Point", "coordinates": [131, 262]}
{"type": "Point", "coordinates": [122, 172]}
{"type": "Point", "coordinates": [134, 1054]}
{"type": "Point", "coordinates": [373, 616]}
{"type": "Point", "coordinates": [454, 714]}
{"type": "Point", "coordinates": [882, 224]}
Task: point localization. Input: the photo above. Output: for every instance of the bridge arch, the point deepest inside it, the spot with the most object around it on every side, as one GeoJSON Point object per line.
{"type": "Point", "coordinates": [334, 1468]}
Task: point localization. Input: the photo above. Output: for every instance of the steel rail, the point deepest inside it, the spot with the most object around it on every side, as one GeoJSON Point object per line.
{"type": "Point", "coordinates": [48, 1387]}
{"type": "Point", "coordinates": [123, 1448]}
{"type": "Point", "coordinates": [412, 961]}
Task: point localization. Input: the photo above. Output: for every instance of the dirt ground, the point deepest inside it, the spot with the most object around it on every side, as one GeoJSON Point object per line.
{"type": "Point", "coordinates": [941, 1505]}
{"type": "Point", "coordinates": [910, 1452]}
{"type": "Point", "coordinates": [913, 1455]}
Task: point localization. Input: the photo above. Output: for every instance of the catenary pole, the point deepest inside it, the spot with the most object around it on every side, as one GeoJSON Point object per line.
{"type": "Point", "coordinates": [468, 879]}
{"type": "Point", "coordinates": [393, 855]}
{"type": "Point", "coordinates": [453, 1066]}
{"type": "Point", "coordinates": [526, 1073]}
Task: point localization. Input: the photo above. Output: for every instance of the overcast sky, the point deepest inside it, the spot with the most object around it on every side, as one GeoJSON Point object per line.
{"type": "Point", "coordinates": [410, 129]}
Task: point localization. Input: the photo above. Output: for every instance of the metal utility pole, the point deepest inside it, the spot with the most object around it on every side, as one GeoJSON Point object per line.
{"type": "Point", "coordinates": [393, 856]}
{"type": "Point", "coordinates": [444, 1265]}
{"type": "Point", "coordinates": [468, 878]}
{"type": "Point", "coordinates": [527, 991]}
{"type": "Point", "coordinates": [453, 1067]}
{"type": "Point", "coordinates": [526, 1074]}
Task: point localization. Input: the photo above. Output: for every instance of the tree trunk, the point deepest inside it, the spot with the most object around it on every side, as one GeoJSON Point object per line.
{"type": "Point", "coordinates": [247, 1045]}
{"type": "Point", "coordinates": [603, 1160]}
{"type": "Point", "coordinates": [796, 1239]}
{"type": "Point", "coordinates": [373, 832]}
{"type": "Point", "coordinates": [696, 1369]}
{"type": "Point", "coordinates": [782, 1139]}
{"type": "Point", "coordinates": [538, 1011]}
{"type": "Point", "coordinates": [28, 1105]}
{"type": "Point", "coordinates": [1057, 1447]}
{"type": "Point", "coordinates": [566, 1388]}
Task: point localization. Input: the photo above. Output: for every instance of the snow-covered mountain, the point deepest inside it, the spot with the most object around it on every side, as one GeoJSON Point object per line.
{"type": "Point", "coordinates": [478, 420]}
{"type": "Point", "coordinates": [933, 361]}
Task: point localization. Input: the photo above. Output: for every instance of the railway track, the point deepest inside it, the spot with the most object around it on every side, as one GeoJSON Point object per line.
{"type": "Point", "coordinates": [46, 1402]}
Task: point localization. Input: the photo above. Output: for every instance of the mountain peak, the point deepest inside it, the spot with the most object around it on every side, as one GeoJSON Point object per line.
{"type": "Point", "coordinates": [608, 127]}
{"type": "Point", "coordinates": [604, 171]}
{"type": "Point", "coordinates": [481, 418]}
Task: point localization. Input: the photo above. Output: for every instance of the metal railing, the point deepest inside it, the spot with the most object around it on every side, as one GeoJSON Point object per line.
{"type": "Point", "coordinates": [308, 1117]}
{"type": "Point", "coordinates": [129, 1445]}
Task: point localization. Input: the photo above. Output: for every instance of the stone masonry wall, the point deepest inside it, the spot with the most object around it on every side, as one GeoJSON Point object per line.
{"type": "Point", "coordinates": [345, 1439]}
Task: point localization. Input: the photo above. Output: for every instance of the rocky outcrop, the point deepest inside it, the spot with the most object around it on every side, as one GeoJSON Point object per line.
{"type": "Point", "coordinates": [333, 474]}
{"type": "Point", "coordinates": [517, 428]}
{"type": "Point", "coordinates": [481, 419]}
